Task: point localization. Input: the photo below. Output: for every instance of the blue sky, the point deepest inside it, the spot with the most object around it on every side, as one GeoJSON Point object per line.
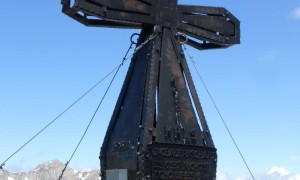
{"type": "Point", "coordinates": [47, 60]}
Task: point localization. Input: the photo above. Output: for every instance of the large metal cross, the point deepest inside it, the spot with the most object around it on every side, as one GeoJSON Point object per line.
{"type": "Point", "coordinates": [158, 129]}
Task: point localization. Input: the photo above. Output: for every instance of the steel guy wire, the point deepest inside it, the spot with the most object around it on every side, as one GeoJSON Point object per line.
{"type": "Point", "coordinates": [76, 101]}
{"type": "Point", "coordinates": [57, 117]}
{"type": "Point", "coordinates": [91, 120]}
{"type": "Point", "coordinates": [217, 109]}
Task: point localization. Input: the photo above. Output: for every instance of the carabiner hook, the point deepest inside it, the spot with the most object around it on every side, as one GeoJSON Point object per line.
{"type": "Point", "coordinates": [131, 38]}
{"type": "Point", "coordinates": [180, 35]}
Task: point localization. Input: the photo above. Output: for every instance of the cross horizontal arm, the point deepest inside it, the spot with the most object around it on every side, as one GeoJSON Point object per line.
{"type": "Point", "coordinates": [210, 25]}
{"type": "Point", "coordinates": [99, 22]}
{"type": "Point", "coordinates": [113, 14]}
{"type": "Point", "coordinates": [204, 27]}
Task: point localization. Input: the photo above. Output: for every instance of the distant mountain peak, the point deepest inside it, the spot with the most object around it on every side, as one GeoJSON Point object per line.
{"type": "Point", "coordinates": [50, 165]}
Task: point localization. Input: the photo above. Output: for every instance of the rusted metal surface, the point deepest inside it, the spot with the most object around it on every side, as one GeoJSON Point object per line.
{"type": "Point", "coordinates": [214, 27]}
{"type": "Point", "coordinates": [158, 129]}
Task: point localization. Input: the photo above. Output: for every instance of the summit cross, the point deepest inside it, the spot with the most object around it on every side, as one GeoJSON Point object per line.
{"type": "Point", "coordinates": [158, 129]}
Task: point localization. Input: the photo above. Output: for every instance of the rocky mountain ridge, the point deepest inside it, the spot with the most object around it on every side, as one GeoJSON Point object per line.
{"type": "Point", "coordinates": [50, 170]}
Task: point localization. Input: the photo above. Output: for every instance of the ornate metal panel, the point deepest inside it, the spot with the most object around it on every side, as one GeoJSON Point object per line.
{"type": "Point", "coordinates": [181, 162]}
